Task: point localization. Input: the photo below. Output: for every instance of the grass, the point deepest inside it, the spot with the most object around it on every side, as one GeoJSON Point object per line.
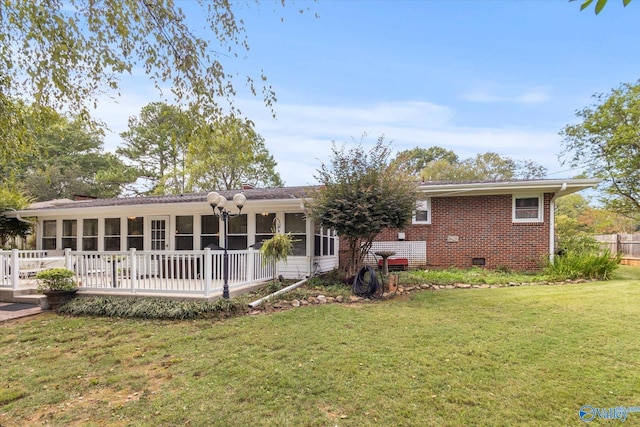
{"type": "Point", "coordinates": [473, 276]}
{"type": "Point", "coordinates": [506, 356]}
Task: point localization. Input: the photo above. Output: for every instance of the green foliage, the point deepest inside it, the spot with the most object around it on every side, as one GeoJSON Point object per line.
{"type": "Point", "coordinates": [416, 159]}
{"type": "Point", "coordinates": [605, 144]}
{"type": "Point", "coordinates": [600, 4]}
{"type": "Point", "coordinates": [472, 276]}
{"type": "Point", "coordinates": [12, 199]}
{"type": "Point", "coordinates": [176, 151]}
{"type": "Point", "coordinates": [227, 153]}
{"type": "Point", "coordinates": [156, 145]}
{"type": "Point", "coordinates": [360, 195]}
{"type": "Point", "coordinates": [66, 158]}
{"type": "Point", "coordinates": [66, 54]}
{"type": "Point", "coordinates": [277, 248]}
{"type": "Point", "coordinates": [153, 308]}
{"type": "Point", "coordinates": [581, 257]}
{"type": "Point", "coordinates": [56, 279]}
{"type": "Point", "coordinates": [484, 167]}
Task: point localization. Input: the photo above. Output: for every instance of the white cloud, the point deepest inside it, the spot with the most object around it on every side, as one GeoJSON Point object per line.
{"type": "Point", "coordinates": [491, 93]}
{"type": "Point", "coordinates": [300, 138]}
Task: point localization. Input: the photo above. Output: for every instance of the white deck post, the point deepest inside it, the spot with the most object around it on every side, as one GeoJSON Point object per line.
{"type": "Point", "coordinates": [207, 272]}
{"type": "Point", "coordinates": [134, 269]}
{"type": "Point", "coordinates": [251, 261]}
{"type": "Point", "coordinates": [15, 269]}
{"type": "Point", "coordinates": [68, 260]}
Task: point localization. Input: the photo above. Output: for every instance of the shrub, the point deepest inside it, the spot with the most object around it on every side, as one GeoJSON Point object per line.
{"type": "Point", "coordinates": [152, 308]}
{"type": "Point", "coordinates": [581, 257]}
{"type": "Point", "coordinates": [56, 279]}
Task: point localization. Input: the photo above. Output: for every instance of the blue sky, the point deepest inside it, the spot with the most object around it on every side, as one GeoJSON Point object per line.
{"type": "Point", "coordinates": [471, 76]}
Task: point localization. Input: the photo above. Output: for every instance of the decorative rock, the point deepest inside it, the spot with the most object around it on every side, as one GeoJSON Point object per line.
{"type": "Point", "coordinates": [463, 285]}
{"type": "Point", "coordinates": [322, 299]}
{"type": "Point", "coordinates": [354, 298]}
{"type": "Point", "coordinates": [339, 298]}
{"type": "Point", "coordinates": [304, 303]}
{"type": "Point", "coordinates": [295, 303]}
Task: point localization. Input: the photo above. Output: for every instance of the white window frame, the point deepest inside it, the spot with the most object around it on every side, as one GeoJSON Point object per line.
{"type": "Point", "coordinates": [425, 206]}
{"type": "Point", "coordinates": [540, 217]}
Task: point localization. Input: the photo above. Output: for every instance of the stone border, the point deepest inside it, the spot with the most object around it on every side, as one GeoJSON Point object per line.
{"type": "Point", "coordinates": [284, 304]}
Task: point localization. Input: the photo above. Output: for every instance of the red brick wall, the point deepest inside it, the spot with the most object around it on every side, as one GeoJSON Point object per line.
{"type": "Point", "coordinates": [484, 229]}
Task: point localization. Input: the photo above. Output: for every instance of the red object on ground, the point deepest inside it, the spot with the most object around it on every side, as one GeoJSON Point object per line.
{"type": "Point", "coordinates": [396, 263]}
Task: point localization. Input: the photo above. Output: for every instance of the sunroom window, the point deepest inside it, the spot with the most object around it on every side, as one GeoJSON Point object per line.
{"type": "Point", "coordinates": [49, 234]}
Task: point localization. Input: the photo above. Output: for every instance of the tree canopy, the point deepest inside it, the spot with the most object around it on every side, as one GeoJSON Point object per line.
{"type": "Point", "coordinates": [361, 194]}
{"type": "Point", "coordinates": [415, 160]}
{"type": "Point", "coordinates": [11, 199]}
{"type": "Point", "coordinates": [607, 145]}
{"type": "Point", "coordinates": [228, 153]}
{"type": "Point", "coordinates": [176, 151]}
{"type": "Point", "coordinates": [66, 158]}
{"type": "Point", "coordinates": [67, 54]}
{"type": "Point", "coordinates": [439, 164]}
{"type": "Point", "coordinates": [156, 146]}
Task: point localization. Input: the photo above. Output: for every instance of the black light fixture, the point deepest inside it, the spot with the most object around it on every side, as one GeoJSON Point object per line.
{"type": "Point", "coordinates": [218, 201]}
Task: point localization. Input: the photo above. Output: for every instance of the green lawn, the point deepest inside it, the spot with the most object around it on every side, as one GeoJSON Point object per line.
{"type": "Point", "coordinates": [530, 355]}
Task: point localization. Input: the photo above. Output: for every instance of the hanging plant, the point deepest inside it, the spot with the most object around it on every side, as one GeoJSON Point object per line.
{"type": "Point", "coordinates": [277, 248]}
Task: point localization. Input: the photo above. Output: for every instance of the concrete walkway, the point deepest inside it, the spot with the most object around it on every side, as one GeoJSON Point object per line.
{"type": "Point", "coordinates": [16, 310]}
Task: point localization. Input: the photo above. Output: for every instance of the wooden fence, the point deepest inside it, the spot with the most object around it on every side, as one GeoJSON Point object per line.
{"type": "Point", "coordinates": [627, 244]}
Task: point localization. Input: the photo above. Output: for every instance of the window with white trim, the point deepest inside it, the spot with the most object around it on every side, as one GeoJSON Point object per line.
{"type": "Point", "coordinates": [49, 228]}
{"type": "Point", "coordinates": [70, 234]}
{"type": "Point", "coordinates": [527, 208]}
{"type": "Point", "coordinates": [422, 214]}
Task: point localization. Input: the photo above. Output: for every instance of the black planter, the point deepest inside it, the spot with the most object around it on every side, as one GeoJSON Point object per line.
{"type": "Point", "coordinates": [57, 298]}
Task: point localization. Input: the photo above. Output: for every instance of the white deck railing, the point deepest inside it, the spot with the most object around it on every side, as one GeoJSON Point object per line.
{"type": "Point", "coordinates": [167, 272]}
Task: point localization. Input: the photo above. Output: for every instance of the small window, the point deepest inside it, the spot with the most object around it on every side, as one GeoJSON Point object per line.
{"type": "Point", "coordinates": [422, 214]}
{"type": "Point", "coordinates": [49, 234]}
{"type": "Point", "coordinates": [527, 208]}
{"type": "Point", "coordinates": [90, 235]}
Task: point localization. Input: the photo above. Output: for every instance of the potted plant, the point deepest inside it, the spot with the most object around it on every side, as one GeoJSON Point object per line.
{"type": "Point", "coordinates": [277, 249]}
{"type": "Point", "coordinates": [58, 284]}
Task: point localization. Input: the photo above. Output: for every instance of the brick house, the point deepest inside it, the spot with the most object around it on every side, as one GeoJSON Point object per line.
{"type": "Point", "coordinates": [492, 224]}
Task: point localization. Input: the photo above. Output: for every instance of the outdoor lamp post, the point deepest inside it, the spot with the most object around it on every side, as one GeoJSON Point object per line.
{"type": "Point", "coordinates": [216, 200]}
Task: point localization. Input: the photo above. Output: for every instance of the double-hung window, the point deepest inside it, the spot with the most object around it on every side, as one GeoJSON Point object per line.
{"type": "Point", "coordinates": [527, 208]}
{"type": "Point", "coordinates": [422, 214]}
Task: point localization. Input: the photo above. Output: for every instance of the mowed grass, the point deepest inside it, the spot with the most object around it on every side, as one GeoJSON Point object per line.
{"type": "Point", "coordinates": [530, 355]}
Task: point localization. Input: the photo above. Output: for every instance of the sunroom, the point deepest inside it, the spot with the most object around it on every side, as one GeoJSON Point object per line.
{"type": "Point", "coordinates": [176, 243]}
